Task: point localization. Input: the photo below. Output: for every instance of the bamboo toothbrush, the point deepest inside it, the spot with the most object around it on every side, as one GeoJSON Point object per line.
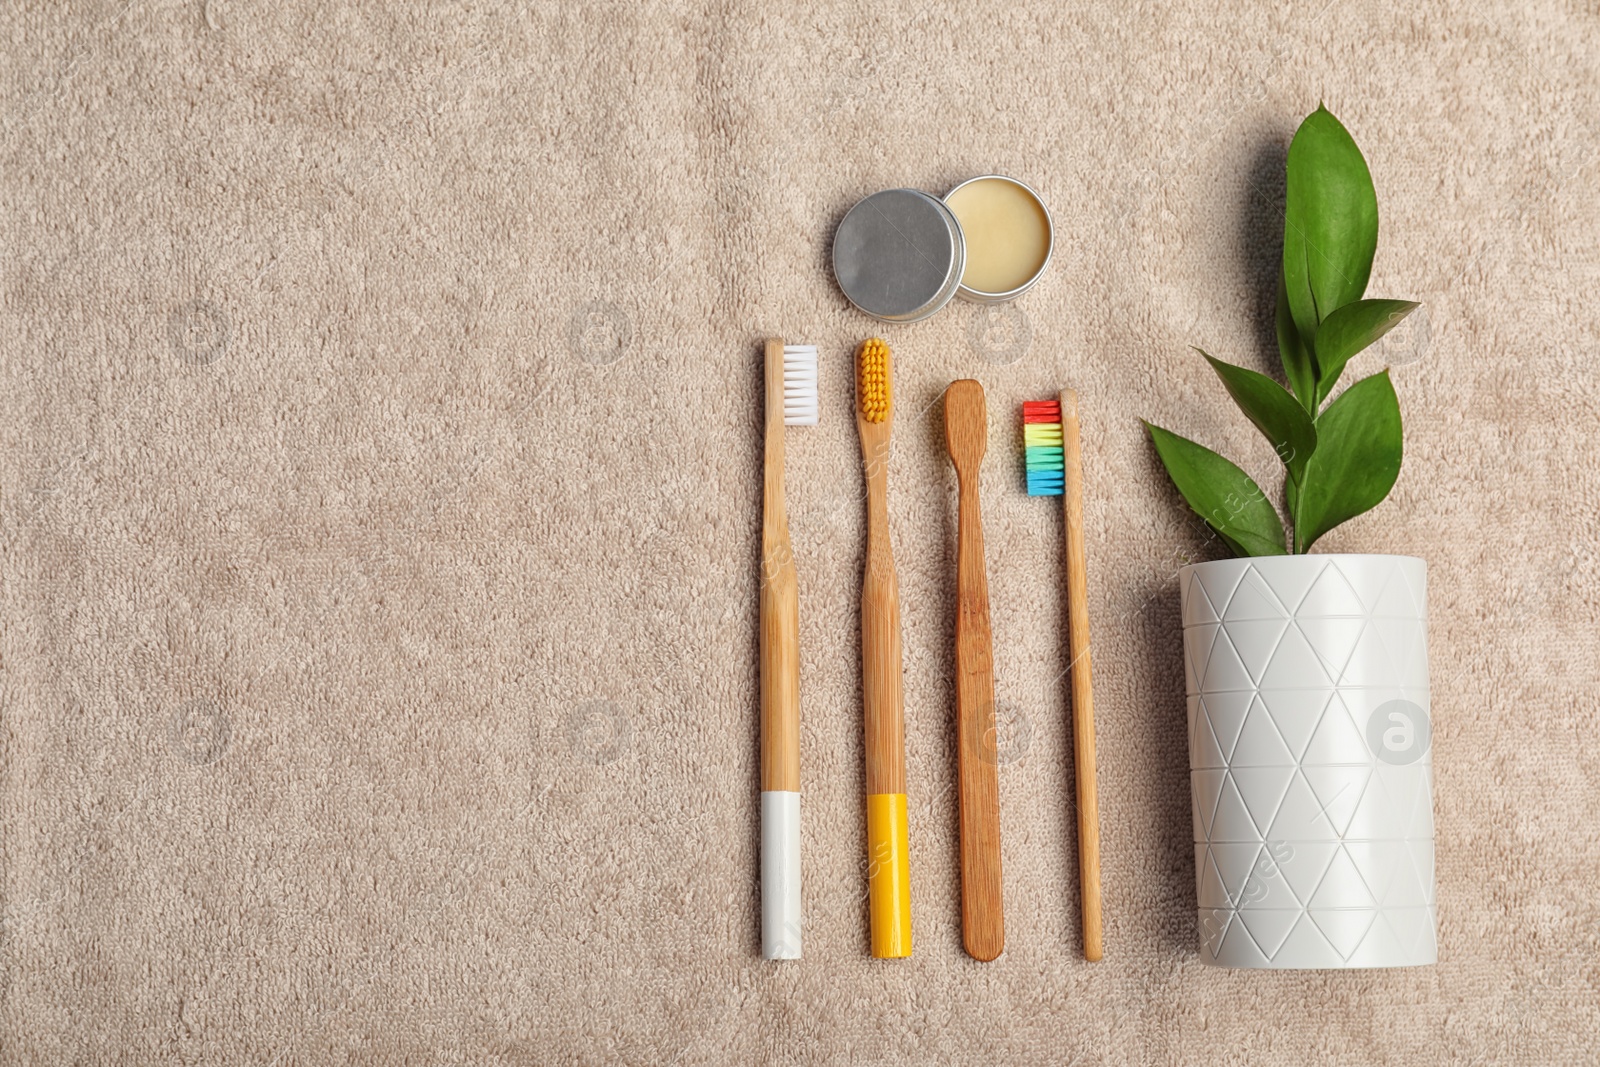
{"type": "Point", "coordinates": [966, 431]}
{"type": "Point", "coordinates": [888, 854]}
{"type": "Point", "coordinates": [791, 385]}
{"type": "Point", "coordinates": [1055, 468]}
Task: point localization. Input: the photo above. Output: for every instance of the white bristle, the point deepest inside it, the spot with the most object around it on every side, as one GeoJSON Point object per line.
{"type": "Point", "coordinates": [800, 407]}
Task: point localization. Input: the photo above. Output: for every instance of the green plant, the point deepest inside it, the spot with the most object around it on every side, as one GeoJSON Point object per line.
{"type": "Point", "coordinates": [1340, 459]}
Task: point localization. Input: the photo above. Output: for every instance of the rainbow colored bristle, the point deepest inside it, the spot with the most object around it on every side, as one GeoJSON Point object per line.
{"type": "Point", "coordinates": [1041, 439]}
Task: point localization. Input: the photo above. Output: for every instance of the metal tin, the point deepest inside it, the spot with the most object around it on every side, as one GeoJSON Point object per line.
{"type": "Point", "coordinates": [977, 296]}
{"type": "Point", "coordinates": [898, 255]}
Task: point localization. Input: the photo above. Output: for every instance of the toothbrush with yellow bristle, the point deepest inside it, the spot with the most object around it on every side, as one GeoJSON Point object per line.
{"type": "Point", "coordinates": [888, 853]}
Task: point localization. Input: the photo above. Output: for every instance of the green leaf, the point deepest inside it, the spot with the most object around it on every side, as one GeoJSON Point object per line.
{"type": "Point", "coordinates": [1222, 494]}
{"type": "Point", "coordinates": [1278, 415]}
{"type": "Point", "coordinates": [1356, 462]}
{"type": "Point", "coordinates": [1350, 329]}
{"type": "Point", "coordinates": [1330, 228]}
{"type": "Point", "coordinates": [1297, 363]}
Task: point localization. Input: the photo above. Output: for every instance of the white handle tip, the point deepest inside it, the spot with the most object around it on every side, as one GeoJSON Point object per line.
{"type": "Point", "coordinates": [780, 875]}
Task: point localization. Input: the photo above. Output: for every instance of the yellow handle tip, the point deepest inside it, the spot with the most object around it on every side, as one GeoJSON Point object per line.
{"type": "Point", "coordinates": [889, 875]}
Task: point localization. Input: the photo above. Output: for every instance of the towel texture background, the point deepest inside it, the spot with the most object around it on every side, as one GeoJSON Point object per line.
{"type": "Point", "coordinates": [379, 451]}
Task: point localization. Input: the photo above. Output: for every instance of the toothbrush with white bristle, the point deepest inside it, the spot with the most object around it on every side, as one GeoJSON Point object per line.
{"type": "Point", "coordinates": [791, 388]}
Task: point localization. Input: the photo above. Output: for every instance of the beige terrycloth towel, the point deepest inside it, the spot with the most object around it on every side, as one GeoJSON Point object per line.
{"type": "Point", "coordinates": [379, 448]}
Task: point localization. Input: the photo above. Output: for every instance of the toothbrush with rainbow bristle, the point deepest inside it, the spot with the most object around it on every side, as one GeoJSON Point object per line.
{"type": "Point", "coordinates": [882, 699]}
{"type": "Point", "coordinates": [1054, 467]}
{"type": "Point", "coordinates": [791, 387]}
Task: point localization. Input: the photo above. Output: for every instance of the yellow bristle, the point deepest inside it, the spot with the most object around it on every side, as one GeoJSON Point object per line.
{"type": "Point", "coordinates": [876, 394]}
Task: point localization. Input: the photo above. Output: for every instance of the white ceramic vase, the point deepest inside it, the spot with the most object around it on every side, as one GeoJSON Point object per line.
{"type": "Point", "coordinates": [1309, 756]}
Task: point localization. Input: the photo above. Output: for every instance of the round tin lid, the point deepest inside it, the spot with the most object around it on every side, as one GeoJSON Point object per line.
{"type": "Point", "coordinates": [898, 255]}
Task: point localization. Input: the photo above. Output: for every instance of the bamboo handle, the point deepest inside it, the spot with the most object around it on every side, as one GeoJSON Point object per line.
{"type": "Point", "coordinates": [780, 694]}
{"type": "Point", "coordinates": [982, 902]}
{"type": "Point", "coordinates": [1082, 679]}
{"type": "Point", "coordinates": [882, 699]}
{"type": "Point", "coordinates": [780, 606]}
{"type": "Point", "coordinates": [883, 704]}
{"type": "Point", "coordinates": [780, 671]}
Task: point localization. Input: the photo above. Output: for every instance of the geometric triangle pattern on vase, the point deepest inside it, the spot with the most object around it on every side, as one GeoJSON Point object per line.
{"type": "Point", "coordinates": [1313, 819]}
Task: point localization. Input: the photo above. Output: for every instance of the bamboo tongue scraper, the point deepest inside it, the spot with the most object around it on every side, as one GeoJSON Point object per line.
{"type": "Point", "coordinates": [966, 431]}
